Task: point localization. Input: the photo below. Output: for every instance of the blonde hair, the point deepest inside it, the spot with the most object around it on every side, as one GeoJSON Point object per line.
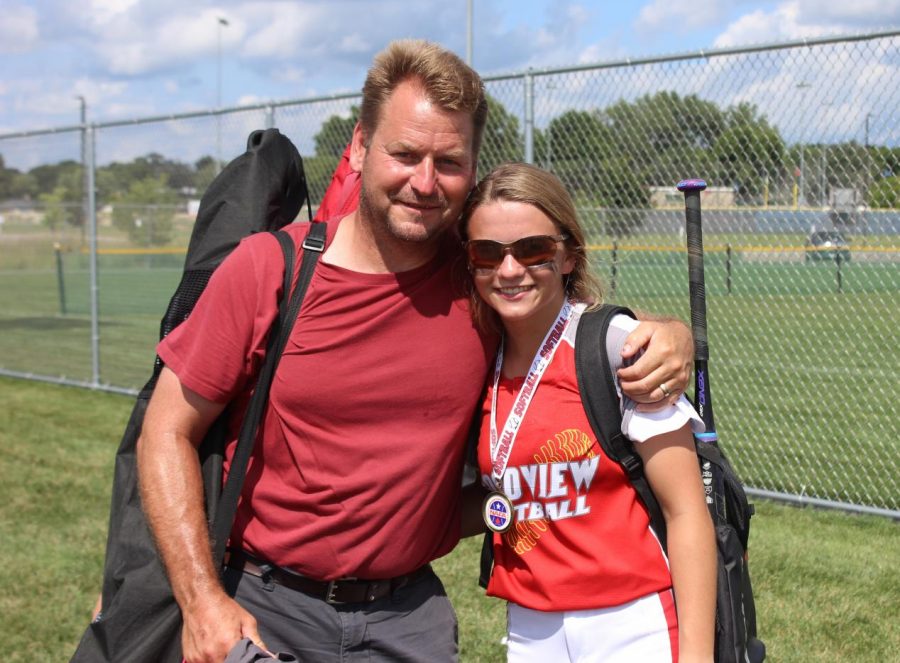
{"type": "Point", "coordinates": [447, 80]}
{"type": "Point", "coordinates": [524, 183]}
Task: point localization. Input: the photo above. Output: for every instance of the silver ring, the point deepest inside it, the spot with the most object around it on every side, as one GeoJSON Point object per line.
{"type": "Point", "coordinates": [665, 390]}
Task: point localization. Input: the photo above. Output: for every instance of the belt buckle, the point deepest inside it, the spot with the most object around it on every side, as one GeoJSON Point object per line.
{"type": "Point", "coordinates": [329, 592]}
{"type": "Point", "coordinates": [331, 589]}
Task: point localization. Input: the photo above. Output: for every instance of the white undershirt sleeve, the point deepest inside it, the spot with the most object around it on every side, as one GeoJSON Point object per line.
{"type": "Point", "coordinates": [639, 425]}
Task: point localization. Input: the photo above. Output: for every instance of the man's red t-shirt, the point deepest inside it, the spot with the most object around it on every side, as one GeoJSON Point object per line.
{"type": "Point", "coordinates": [358, 470]}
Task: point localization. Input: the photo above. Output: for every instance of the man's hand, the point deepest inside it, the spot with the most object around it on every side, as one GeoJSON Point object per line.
{"type": "Point", "coordinates": [667, 361]}
{"type": "Point", "coordinates": [213, 625]}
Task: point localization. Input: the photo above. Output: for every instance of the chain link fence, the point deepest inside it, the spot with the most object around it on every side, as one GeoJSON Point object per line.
{"type": "Point", "coordinates": [799, 142]}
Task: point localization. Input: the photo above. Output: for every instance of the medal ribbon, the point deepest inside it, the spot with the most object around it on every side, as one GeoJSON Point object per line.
{"type": "Point", "coordinates": [502, 444]}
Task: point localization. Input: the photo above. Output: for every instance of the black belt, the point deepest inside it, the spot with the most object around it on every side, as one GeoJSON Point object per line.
{"type": "Point", "coordinates": [343, 590]}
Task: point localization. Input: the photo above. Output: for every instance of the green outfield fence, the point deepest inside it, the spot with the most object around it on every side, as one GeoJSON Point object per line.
{"type": "Point", "coordinates": [793, 138]}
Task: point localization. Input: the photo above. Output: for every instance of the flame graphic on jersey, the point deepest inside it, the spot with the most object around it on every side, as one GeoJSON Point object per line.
{"type": "Point", "coordinates": [567, 445]}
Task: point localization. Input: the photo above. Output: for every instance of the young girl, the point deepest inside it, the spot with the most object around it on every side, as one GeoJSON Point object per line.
{"type": "Point", "coordinates": [584, 576]}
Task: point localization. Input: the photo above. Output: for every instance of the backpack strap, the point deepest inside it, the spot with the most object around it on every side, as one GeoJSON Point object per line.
{"type": "Point", "coordinates": [486, 563]}
{"type": "Point", "coordinates": [288, 309]}
{"type": "Point", "coordinates": [600, 399]}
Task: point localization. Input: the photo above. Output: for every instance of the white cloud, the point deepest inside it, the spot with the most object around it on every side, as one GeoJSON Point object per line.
{"type": "Point", "coordinates": [755, 22]}
{"type": "Point", "coordinates": [97, 91]}
{"type": "Point", "coordinates": [288, 74]}
{"type": "Point", "coordinates": [798, 19]}
{"type": "Point", "coordinates": [281, 29]}
{"type": "Point", "coordinates": [104, 11]}
{"type": "Point", "coordinates": [128, 109]}
{"type": "Point", "coordinates": [355, 43]}
{"type": "Point", "coordinates": [319, 32]}
{"type": "Point", "coordinates": [859, 14]}
{"type": "Point", "coordinates": [679, 15]}
{"type": "Point", "coordinates": [596, 53]}
{"type": "Point", "coordinates": [274, 49]}
{"type": "Point", "coordinates": [18, 29]}
{"type": "Point", "coordinates": [516, 47]}
{"type": "Point", "coordinates": [53, 98]}
{"type": "Point", "coordinates": [167, 44]}
{"type": "Point", "coordinates": [250, 100]}
{"type": "Point", "coordinates": [767, 27]}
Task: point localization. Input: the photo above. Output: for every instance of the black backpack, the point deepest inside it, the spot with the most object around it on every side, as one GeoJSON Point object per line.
{"type": "Point", "coordinates": [736, 640]}
{"type": "Point", "coordinates": [261, 190]}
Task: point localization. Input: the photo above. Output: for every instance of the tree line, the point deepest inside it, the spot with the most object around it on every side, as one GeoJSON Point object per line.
{"type": "Point", "coordinates": [609, 158]}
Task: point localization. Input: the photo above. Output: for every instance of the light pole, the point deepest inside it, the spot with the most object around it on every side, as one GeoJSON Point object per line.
{"type": "Point", "coordinates": [220, 23]}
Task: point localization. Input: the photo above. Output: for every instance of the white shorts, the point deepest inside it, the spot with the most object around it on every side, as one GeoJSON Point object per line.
{"type": "Point", "coordinates": [644, 630]}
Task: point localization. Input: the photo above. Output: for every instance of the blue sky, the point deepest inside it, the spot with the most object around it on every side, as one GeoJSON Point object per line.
{"type": "Point", "coordinates": [132, 58]}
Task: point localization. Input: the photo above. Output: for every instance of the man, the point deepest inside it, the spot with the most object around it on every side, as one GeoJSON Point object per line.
{"type": "Point", "coordinates": [356, 472]}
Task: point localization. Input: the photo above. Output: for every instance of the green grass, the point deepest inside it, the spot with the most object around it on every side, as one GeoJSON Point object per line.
{"type": "Point", "coordinates": [35, 336]}
{"type": "Point", "coordinates": [826, 583]}
{"type": "Point", "coordinates": [58, 446]}
{"type": "Point", "coordinates": [718, 241]}
{"type": "Point", "coordinates": [804, 375]}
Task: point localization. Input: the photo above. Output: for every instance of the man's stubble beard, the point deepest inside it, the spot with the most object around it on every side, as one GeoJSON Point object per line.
{"type": "Point", "coordinates": [381, 225]}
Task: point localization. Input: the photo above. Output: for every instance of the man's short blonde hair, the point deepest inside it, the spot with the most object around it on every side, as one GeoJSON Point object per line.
{"type": "Point", "coordinates": [448, 82]}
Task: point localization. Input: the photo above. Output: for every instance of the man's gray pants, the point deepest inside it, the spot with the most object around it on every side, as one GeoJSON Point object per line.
{"type": "Point", "coordinates": [414, 624]}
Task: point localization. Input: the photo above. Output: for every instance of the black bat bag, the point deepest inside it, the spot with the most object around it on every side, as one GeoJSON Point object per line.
{"type": "Point", "coordinates": [261, 190]}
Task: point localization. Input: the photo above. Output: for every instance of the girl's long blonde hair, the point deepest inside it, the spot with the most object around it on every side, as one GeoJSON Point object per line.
{"type": "Point", "coordinates": [524, 183]}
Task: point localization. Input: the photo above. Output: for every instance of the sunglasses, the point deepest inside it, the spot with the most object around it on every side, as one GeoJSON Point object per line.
{"type": "Point", "coordinates": [486, 255]}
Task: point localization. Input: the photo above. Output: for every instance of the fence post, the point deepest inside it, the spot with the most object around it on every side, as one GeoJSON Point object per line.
{"type": "Point", "coordinates": [529, 117]}
{"type": "Point", "coordinates": [614, 269]}
{"type": "Point", "coordinates": [60, 281]}
{"type": "Point", "coordinates": [728, 267]}
{"type": "Point", "coordinates": [270, 117]}
{"type": "Point", "coordinates": [91, 163]}
{"type": "Point", "coordinates": [840, 280]}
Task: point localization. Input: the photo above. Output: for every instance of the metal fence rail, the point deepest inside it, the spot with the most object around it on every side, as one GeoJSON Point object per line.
{"type": "Point", "coordinates": [795, 139]}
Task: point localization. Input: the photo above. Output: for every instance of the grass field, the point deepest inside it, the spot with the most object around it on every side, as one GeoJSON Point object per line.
{"type": "Point", "coordinates": [826, 583]}
{"type": "Point", "coordinates": [805, 357]}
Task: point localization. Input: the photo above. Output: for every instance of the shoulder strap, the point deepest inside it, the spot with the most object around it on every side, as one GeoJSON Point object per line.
{"type": "Point", "coordinates": [601, 404]}
{"type": "Point", "coordinates": [288, 308]}
{"type": "Point", "coordinates": [486, 562]}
